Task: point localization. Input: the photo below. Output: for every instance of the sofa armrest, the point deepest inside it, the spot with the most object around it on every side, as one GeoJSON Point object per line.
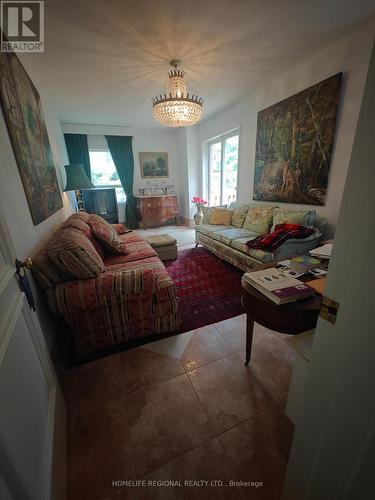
{"type": "Point", "coordinates": [111, 286]}
{"type": "Point", "coordinates": [297, 246]}
{"type": "Point", "coordinates": [119, 228]}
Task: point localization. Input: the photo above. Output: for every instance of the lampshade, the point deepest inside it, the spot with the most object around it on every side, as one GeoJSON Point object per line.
{"type": "Point", "coordinates": [76, 178]}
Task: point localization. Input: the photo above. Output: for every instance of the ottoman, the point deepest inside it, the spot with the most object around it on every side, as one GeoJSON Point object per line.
{"type": "Point", "coordinates": [164, 245]}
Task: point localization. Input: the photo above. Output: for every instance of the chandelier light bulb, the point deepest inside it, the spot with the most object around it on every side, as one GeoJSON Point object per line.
{"type": "Point", "coordinates": [176, 108]}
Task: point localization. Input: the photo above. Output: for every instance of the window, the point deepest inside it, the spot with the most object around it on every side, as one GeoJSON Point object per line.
{"type": "Point", "coordinates": [222, 169]}
{"type": "Point", "coordinates": [104, 174]}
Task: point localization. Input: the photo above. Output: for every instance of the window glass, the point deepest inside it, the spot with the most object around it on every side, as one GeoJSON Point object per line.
{"type": "Point", "coordinates": [215, 174]}
{"type": "Point", "coordinates": [104, 174]}
{"type": "Point", "coordinates": [230, 169]}
{"type": "Point", "coordinates": [222, 171]}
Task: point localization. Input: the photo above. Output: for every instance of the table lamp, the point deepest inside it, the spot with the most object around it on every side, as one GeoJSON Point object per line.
{"type": "Point", "coordinates": [76, 180]}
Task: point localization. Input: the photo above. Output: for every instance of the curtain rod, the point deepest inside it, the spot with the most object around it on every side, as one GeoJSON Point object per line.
{"type": "Point", "coordinates": [96, 125]}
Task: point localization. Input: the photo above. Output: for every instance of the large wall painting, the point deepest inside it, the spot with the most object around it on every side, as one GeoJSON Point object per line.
{"type": "Point", "coordinates": [23, 114]}
{"type": "Point", "coordinates": [294, 145]}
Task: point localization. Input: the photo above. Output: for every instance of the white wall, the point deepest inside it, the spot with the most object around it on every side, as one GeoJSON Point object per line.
{"type": "Point", "coordinates": [27, 238]}
{"type": "Point", "coordinates": [332, 455]}
{"type": "Point", "coordinates": [193, 148]}
{"type": "Point", "coordinates": [351, 56]}
{"type": "Point", "coordinates": [144, 140]}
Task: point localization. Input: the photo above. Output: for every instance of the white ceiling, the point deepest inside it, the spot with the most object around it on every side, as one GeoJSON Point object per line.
{"type": "Point", "coordinates": [105, 59]}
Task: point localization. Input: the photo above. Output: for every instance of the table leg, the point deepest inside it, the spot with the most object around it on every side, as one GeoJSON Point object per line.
{"type": "Point", "coordinates": [249, 336]}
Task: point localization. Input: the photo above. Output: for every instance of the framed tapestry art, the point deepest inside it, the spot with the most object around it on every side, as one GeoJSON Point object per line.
{"type": "Point", "coordinates": [154, 165]}
{"type": "Point", "coordinates": [294, 145]}
{"type": "Point", "coordinates": [23, 115]}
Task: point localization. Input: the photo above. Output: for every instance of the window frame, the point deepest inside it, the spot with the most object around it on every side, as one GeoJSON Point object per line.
{"type": "Point", "coordinates": [206, 161]}
{"type": "Point", "coordinates": [107, 186]}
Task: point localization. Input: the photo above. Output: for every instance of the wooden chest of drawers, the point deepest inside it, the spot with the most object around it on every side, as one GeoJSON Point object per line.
{"type": "Point", "coordinates": [156, 211]}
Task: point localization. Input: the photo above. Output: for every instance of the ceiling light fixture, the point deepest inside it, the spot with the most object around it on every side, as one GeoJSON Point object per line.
{"type": "Point", "coordinates": [177, 108]}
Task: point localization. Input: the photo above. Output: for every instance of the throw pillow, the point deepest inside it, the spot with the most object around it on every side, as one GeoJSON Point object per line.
{"type": "Point", "coordinates": [302, 217]}
{"type": "Point", "coordinates": [106, 235]}
{"type": "Point", "coordinates": [221, 216]}
{"type": "Point", "coordinates": [239, 213]}
{"type": "Point", "coordinates": [119, 228]}
{"type": "Point", "coordinates": [77, 221]}
{"type": "Point", "coordinates": [207, 212]}
{"type": "Point", "coordinates": [259, 219]}
{"type": "Point", "coordinates": [73, 254]}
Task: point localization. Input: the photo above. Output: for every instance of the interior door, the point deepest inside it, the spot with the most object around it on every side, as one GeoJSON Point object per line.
{"type": "Point", "coordinates": [32, 408]}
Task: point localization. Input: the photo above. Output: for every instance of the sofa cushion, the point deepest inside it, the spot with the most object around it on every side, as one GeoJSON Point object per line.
{"type": "Point", "coordinates": [73, 254]}
{"type": "Point", "coordinates": [80, 221]}
{"type": "Point", "coordinates": [261, 255]}
{"type": "Point", "coordinates": [207, 212]}
{"type": "Point", "coordinates": [119, 228]}
{"type": "Point", "coordinates": [44, 271]}
{"type": "Point", "coordinates": [132, 237]}
{"type": "Point", "coordinates": [209, 229]}
{"type": "Point", "coordinates": [221, 216]}
{"type": "Point", "coordinates": [136, 251]}
{"type": "Point", "coordinates": [259, 219]}
{"type": "Point", "coordinates": [227, 235]}
{"type": "Point", "coordinates": [84, 216]}
{"type": "Point", "coordinates": [239, 213]}
{"type": "Point", "coordinates": [301, 217]}
{"type": "Point", "coordinates": [107, 235]}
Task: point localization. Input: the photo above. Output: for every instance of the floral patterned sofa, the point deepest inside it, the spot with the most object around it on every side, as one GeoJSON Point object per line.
{"type": "Point", "coordinates": [247, 222]}
{"type": "Point", "coordinates": [110, 288]}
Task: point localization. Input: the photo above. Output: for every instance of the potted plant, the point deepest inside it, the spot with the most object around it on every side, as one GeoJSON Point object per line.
{"type": "Point", "coordinates": [199, 203]}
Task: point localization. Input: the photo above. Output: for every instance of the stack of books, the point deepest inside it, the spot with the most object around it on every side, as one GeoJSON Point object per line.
{"type": "Point", "coordinates": [323, 252]}
{"type": "Point", "coordinates": [302, 263]}
{"type": "Point", "coordinates": [277, 286]}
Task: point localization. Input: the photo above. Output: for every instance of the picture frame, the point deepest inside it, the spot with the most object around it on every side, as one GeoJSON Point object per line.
{"type": "Point", "coordinates": [22, 109]}
{"type": "Point", "coordinates": [294, 145]}
{"type": "Point", "coordinates": [147, 192]}
{"type": "Point", "coordinates": [158, 191]}
{"type": "Point", "coordinates": [154, 165]}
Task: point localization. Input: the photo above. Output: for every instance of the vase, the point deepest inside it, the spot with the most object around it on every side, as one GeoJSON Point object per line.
{"type": "Point", "coordinates": [198, 217]}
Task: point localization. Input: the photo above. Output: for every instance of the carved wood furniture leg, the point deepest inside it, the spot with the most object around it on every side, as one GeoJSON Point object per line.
{"type": "Point", "coordinates": [249, 336]}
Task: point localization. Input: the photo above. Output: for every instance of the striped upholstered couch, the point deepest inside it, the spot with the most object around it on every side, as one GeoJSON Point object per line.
{"type": "Point", "coordinates": [110, 288]}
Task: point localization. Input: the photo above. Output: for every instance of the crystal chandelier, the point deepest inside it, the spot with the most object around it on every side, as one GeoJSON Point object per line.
{"type": "Point", "coordinates": [177, 108]}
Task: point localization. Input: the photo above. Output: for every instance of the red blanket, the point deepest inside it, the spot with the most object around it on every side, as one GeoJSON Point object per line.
{"type": "Point", "coordinates": [282, 233]}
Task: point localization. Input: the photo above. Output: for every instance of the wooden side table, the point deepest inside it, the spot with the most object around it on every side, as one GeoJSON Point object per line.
{"type": "Point", "coordinates": [155, 211]}
{"type": "Point", "coordinates": [292, 318]}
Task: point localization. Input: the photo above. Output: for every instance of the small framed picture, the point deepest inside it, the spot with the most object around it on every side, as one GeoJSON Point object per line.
{"type": "Point", "coordinates": [147, 192]}
{"type": "Point", "coordinates": [141, 192]}
{"type": "Point", "coordinates": [154, 165]}
{"type": "Point", "coordinates": [158, 191]}
{"type": "Point", "coordinates": [170, 189]}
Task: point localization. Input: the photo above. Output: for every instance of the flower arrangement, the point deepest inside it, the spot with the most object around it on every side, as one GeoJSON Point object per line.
{"type": "Point", "coordinates": [199, 202]}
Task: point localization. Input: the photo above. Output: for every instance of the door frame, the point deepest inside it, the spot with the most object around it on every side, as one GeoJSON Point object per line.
{"type": "Point", "coordinates": [19, 306]}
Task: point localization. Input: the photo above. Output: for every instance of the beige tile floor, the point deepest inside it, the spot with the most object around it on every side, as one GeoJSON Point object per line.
{"type": "Point", "coordinates": [183, 408]}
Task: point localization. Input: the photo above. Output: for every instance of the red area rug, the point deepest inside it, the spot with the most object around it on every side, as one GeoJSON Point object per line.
{"type": "Point", "coordinates": [208, 290]}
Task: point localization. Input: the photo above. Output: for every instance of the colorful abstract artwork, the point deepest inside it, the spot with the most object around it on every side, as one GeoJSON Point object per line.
{"type": "Point", "coordinates": [23, 114]}
{"type": "Point", "coordinates": [294, 145]}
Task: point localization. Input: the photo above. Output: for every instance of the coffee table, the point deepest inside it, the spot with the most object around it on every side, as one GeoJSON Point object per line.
{"type": "Point", "coordinates": [292, 318]}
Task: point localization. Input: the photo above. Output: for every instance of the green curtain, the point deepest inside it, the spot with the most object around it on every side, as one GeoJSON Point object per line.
{"type": "Point", "coordinates": [78, 151]}
{"type": "Point", "coordinates": [121, 150]}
